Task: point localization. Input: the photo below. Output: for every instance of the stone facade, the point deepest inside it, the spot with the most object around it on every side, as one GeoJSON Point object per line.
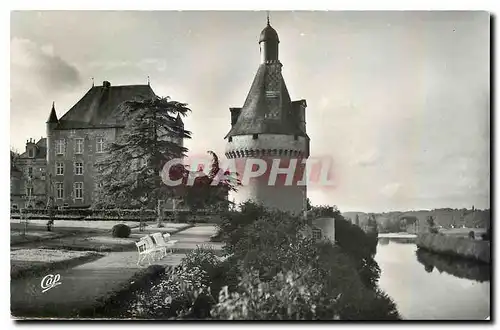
{"type": "Point", "coordinates": [28, 176]}
{"type": "Point", "coordinates": [88, 155]}
{"type": "Point", "coordinates": [79, 139]}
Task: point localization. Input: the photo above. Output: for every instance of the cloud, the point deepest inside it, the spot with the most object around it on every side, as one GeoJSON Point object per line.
{"type": "Point", "coordinates": [37, 68]}
{"type": "Point", "coordinates": [391, 189]}
{"type": "Point", "coordinates": [369, 158]}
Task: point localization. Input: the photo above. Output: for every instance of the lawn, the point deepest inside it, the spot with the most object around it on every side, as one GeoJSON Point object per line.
{"type": "Point", "coordinates": [34, 261]}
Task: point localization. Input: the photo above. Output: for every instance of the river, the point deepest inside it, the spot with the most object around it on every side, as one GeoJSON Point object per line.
{"type": "Point", "coordinates": [431, 287]}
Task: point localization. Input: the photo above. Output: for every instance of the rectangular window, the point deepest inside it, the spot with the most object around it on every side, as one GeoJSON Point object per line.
{"type": "Point", "coordinates": [78, 146]}
{"type": "Point", "coordinates": [29, 191]}
{"type": "Point", "coordinates": [79, 168]}
{"type": "Point", "coordinates": [78, 190]}
{"type": "Point", "coordinates": [30, 171]}
{"type": "Point", "coordinates": [59, 190]}
{"type": "Point", "coordinates": [100, 145]}
{"type": "Point", "coordinates": [59, 168]}
{"type": "Point", "coordinates": [31, 153]}
{"type": "Point", "coordinates": [317, 234]}
{"type": "Point", "coordinates": [60, 147]}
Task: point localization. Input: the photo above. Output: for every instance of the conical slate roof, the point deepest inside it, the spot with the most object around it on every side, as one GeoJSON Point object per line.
{"type": "Point", "coordinates": [53, 116]}
{"type": "Point", "coordinates": [267, 109]}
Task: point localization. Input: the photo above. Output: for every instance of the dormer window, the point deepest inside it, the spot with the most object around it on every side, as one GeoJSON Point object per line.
{"type": "Point", "coordinates": [31, 153]}
{"type": "Point", "coordinates": [255, 136]}
{"type": "Point", "coordinates": [230, 139]}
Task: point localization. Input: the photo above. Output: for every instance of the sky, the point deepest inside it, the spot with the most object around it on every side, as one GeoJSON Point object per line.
{"type": "Point", "coordinates": [398, 100]}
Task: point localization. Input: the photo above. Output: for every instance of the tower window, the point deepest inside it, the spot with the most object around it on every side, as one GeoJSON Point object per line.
{"type": "Point", "coordinates": [230, 139]}
{"type": "Point", "coordinates": [31, 153]}
{"type": "Point", "coordinates": [255, 136]}
{"type": "Point", "coordinates": [295, 137]}
{"type": "Point", "coordinates": [60, 147]}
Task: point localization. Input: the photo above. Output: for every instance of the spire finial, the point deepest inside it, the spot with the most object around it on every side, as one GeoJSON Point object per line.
{"type": "Point", "coordinates": [148, 81]}
{"type": "Point", "coordinates": [268, 18]}
{"type": "Point", "coordinates": [92, 81]}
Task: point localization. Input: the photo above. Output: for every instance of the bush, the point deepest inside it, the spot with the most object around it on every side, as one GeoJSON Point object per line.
{"type": "Point", "coordinates": [180, 293]}
{"type": "Point", "coordinates": [181, 217]}
{"type": "Point", "coordinates": [121, 230]}
{"type": "Point", "coordinates": [288, 296]}
{"type": "Point", "coordinates": [486, 236]}
{"type": "Point", "coordinates": [472, 235]}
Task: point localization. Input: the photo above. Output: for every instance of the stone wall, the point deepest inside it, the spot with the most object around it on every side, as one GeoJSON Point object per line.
{"type": "Point", "coordinates": [88, 157]}
{"type": "Point", "coordinates": [456, 246]}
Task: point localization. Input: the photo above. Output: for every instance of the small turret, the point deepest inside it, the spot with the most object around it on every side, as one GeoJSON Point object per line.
{"type": "Point", "coordinates": [269, 42]}
{"type": "Point", "coordinates": [53, 116]}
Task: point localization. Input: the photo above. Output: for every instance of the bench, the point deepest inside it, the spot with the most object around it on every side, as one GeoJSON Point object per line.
{"type": "Point", "coordinates": [150, 245]}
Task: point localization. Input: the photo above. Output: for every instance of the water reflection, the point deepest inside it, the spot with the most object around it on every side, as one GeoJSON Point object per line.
{"type": "Point", "coordinates": [460, 268]}
{"type": "Point", "coordinates": [400, 240]}
{"type": "Point", "coordinates": [426, 287]}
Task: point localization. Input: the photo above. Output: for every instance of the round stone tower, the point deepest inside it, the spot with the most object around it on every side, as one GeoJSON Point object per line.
{"type": "Point", "coordinates": [270, 128]}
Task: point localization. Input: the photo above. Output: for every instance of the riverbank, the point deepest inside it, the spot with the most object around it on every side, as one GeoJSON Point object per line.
{"type": "Point", "coordinates": [455, 246]}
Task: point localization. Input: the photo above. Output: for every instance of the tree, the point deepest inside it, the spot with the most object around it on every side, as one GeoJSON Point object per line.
{"type": "Point", "coordinates": [308, 204]}
{"type": "Point", "coordinates": [432, 225]}
{"type": "Point", "coordinates": [209, 190]}
{"type": "Point", "coordinates": [130, 172]}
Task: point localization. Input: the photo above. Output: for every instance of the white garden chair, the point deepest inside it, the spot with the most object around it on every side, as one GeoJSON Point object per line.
{"type": "Point", "coordinates": [144, 252]}
{"type": "Point", "coordinates": [151, 246]}
{"type": "Point", "coordinates": [163, 242]}
{"type": "Point", "coordinates": [170, 243]}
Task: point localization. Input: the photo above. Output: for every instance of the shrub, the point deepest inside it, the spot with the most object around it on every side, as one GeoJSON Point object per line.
{"type": "Point", "coordinates": [288, 296]}
{"type": "Point", "coordinates": [181, 217]}
{"type": "Point", "coordinates": [472, 235]}
{"type": "Point", "coordinates": [203, 258]}
{"type": "Point", "coordinates": [179, 294]}
{"type": "Point", "coordinates": [121, 230]}
{"type": "Point", "coordinates": [486, 236]}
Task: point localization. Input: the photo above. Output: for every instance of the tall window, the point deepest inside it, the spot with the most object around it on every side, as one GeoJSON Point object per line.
{"type": "Point", "coordinates": [60, 147]}
{"type": "Point", "coordinates": [31, 152]}
{"type": "Point", "coordinates": [30, 171]}
{"type": "Point", "coordinates": [100, 144]}
{"type": "Point", "coordinates": [29, 191]}
{"type": "Point", "coordinates": [79, 168]}
{"type": "Point", "coordinates": [59, 190]}
{"type": "Point", "coordinates": [59, 168]}
{"type": "Point", "coordinates": [78, 190]}
{"type": "Point", "coordinates": [78, 146]}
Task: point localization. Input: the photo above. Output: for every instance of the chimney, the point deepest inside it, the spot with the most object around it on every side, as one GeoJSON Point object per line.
{"type": "Point", "coordinates": [106, 84]}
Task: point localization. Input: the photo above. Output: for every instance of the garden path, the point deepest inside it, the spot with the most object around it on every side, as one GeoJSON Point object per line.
{"type": "Point", "coordinates": [85, 285]}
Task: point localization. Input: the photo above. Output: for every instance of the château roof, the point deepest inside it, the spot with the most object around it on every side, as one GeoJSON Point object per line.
{"type": "Point", "coordinates": [40, 151]}
{"type": "Point", "coordinates": [101, 104]}
{"type": "Point", "coordinates": [252, 118]}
